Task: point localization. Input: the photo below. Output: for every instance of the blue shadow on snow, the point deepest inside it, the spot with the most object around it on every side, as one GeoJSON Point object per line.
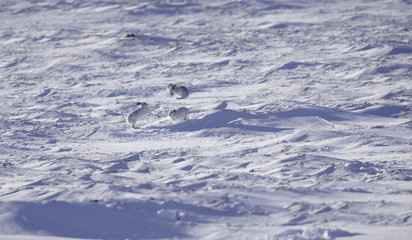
{"type": "Point", "coordinates": [225, 118]}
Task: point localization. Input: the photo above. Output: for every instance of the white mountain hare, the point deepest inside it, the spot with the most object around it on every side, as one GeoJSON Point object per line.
{"type": "Point", "coordinates": [181, 114]}
{"type": "Point", "coordinates": [180, 92]}
{"type": "Point", "coordinates": [138, 114]}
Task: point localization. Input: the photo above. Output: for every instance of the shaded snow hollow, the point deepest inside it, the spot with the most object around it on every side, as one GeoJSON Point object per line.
{"type": "Point", "coordinates": [300, 119]}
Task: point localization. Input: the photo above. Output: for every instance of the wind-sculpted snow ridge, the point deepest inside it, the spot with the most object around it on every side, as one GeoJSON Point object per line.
{"type": "Point", "coordinates": [299, 122]}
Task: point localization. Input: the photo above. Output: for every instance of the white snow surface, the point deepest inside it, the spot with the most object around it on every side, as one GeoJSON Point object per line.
{"type": "Point", "coordinates": [300, 119]}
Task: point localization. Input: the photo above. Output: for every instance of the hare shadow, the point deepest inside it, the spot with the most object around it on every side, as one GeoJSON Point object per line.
{"type": "Point", "coordinates": [228, 119]}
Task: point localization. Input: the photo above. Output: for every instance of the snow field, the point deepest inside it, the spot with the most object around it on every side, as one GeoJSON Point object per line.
{"type": "Point", "coordinates": [300, 120]}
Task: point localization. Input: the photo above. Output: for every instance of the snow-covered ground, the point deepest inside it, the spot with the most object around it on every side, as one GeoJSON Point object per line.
{"type": "Point", "coordinates": [300, 119]}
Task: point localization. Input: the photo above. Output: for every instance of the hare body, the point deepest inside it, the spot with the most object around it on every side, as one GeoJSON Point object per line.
{"type": "Point", "coordinates": [180, 92]}
{"type": "Point", "coordinates": [137, 114]}
{"type": "Point", "coordinates": [181, 114]}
